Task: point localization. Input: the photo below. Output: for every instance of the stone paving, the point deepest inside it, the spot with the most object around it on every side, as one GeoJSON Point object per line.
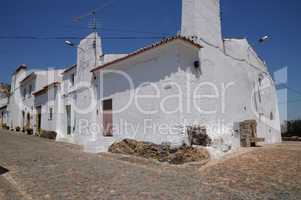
{"type": "Point", "coordinates": [43, 169]}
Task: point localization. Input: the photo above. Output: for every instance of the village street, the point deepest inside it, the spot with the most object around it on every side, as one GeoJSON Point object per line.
{"type": "Point", "coordinates": [43, 169]}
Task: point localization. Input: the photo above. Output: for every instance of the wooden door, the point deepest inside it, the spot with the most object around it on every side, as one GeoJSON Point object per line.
{"type": "Point", "coordinates": [107, 118]}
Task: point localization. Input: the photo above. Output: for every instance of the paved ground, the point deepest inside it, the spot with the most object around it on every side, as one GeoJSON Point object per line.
{"type": "Point", "coordinates": [41, 169]}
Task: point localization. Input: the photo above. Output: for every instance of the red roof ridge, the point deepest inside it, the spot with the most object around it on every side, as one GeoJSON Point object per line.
{"type": "Point", "coordinates": [146, 48]}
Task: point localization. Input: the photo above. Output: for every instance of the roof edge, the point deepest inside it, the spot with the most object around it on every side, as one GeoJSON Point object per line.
{"type": "Point", "coordinates": [41, 91]}
{"type": "Point", "coordinates": [147, 48]}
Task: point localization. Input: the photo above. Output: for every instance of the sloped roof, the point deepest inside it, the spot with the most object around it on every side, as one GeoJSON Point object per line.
{"type": "Point", "coordinates": [28, 77]}
{"type": "Point", "coordinates": [69, 68]}
{"type": "Point", "coordinates": [44, 89]}
{"type": "Point", "coordinates": [152, 46]}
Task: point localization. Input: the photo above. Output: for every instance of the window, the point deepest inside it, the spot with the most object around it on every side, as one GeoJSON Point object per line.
{"type": "Point", "coordinates": [30, 89]}
{"type": "Point", "coordinates": [24, 92]}
{"type": "Point", "coordinates": [72, 79]}
{"type": "Point", "coordinates": [260, 79]}
{"type": "Point", "coordinates": [50, 113]}
{"type": "Point", "coordinates": [271, 116]}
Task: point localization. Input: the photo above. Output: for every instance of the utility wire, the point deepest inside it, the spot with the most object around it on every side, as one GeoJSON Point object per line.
{"type": "Point", "coordinates": [72, 37]}
{"type": "Point", "coordinates": [293, 90]}
{"type": "Point", "coordinates": [108, 3]}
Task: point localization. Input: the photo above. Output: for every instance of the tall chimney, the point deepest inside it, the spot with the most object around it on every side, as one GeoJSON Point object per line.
{"type": "Point", "coordinates": [201, 20]}
{"type": "Point", "coordinates": [88, 53]}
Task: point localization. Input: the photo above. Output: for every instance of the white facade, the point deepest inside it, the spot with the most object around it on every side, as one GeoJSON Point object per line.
{"type": "Point", "coordinates": [21, 107]}
{"type": "Point", "coordinates": [155, 93]}
{"type": "Point", "coordinates": [48, 113]}
{"type": "Point", "coordinates": [233, 82]}
{"type": "Point", "coordinates": [15, 113]}
{"type": "Point", "coordinates": [3, 111]}
{"type": "Point", "coordinates": [201, 19]}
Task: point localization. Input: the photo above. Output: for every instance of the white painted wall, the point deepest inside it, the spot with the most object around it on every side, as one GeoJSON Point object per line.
{"type": "Point", "coordinates": [201, 19]}
{"type": "Point", "coordinates": [235, 80]}
{"type": "Point", "coordinates": [80, 96]}
{"type": "Point", "coordinates": [68, 95]}
{"type": "Point", "coordinates": [3, 101]}
{"type": "Point", "coordinates": [231, 66]}
{"type": "Point", "coordinates": [50, 99]}
{"type": "Point", "coordinates": [14, 107]}
{"type": "Point", "coordinates": [3, 116]}
{"type": "Point", "coordinates": [160, 66]}
{"type": "Point", "coordinates": [110, 57]}
{"type": "Point", "coordinates": [42, 79]}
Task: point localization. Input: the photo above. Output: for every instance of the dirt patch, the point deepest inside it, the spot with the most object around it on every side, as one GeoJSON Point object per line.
{"type": "Point", "coordinates": [162, 153]}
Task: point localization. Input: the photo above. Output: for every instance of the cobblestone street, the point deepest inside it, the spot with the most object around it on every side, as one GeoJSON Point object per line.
{"type": "Point", "coordinates": [43, 169]}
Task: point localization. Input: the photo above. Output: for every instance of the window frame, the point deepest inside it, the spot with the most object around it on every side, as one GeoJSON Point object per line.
{"type": "Point", "coordinates": [50, 114]}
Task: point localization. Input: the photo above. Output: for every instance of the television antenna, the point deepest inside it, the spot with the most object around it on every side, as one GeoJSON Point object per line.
{"type": "Point", "coordinates": [93, 13]}
{"type": "Point", "coordinates": [93, 26]}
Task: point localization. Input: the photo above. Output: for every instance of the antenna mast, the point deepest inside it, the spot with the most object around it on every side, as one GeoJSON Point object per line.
{"type": "Point", "coordinates": [94, 28]}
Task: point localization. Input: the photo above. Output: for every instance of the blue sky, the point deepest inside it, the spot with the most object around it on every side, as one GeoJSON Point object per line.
{"type": "Point", "coordinates": [144, 18]}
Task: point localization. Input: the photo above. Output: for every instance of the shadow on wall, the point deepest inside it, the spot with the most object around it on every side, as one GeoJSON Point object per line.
{"type": "Point", "coordinates": [3, 170]}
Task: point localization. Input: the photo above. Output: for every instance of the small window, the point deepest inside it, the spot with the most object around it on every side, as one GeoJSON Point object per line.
{"type": "Point", "coordinates": [72, 79]}
{"type": "Point", "coordinates": [260, 81]}
{"type": "Point", "coordinates": [50, 113]}
{"type": "Point", "coordinates": [30, 89]}
{"type": "Point", "coordinates": [271, 116]}
{"type": "Point", "coordinates": [24, 92]}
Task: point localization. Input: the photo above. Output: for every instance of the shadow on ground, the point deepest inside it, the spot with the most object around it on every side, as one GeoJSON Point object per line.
{"type": "Point", "coordinates": [3, 170]}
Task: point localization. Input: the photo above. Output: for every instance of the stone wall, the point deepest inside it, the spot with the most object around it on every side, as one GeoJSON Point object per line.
{"type": "Point", "coordinates": [248, 133]}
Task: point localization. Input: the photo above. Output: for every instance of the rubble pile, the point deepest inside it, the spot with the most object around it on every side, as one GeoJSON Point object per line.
{"type": "Point", "coordinates": [162, 153]}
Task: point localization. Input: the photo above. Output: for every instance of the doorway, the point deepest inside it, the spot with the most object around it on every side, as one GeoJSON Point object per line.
{"type": "Point", "coordinates": [107, 117]}
{"type": "Point", "coordinates": [68, 112]}
{"type": "Point", "coordinates": [39, 118]}
{"type": "Point", "coordinates": [23, 120]}
{"type": "Point", "coordinates": [28, 124]}
{"type": "Point", "coordinates": [2, 116]}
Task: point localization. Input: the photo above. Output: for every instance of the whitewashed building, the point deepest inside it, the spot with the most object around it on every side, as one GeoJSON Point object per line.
{"type": "Point", "coordinates": [4, 99]}
{"type": "Point", "coordinates": [21, 107]}
{"type": "Point", "coordinates": [47, 103]}
{"type": "Point", "coordinates": [195, 78]}
{"type": "Point", "coordinates": [153, 94]}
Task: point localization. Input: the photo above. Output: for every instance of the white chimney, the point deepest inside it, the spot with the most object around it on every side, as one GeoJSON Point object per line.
{"type": "Point", "coordinates": [201, 20]}
{"type": "Point", "coordinates": [88, 53]}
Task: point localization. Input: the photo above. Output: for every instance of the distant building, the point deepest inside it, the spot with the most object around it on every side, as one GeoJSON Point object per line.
{"type": "Point", "coordinates": [4, 98]}
{"type": "Point", "coordinates": [22, 108]}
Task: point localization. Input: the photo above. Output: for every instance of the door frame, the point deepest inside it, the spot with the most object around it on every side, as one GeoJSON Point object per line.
{"type": "Point", "coordinates": [38, 119]}
{"type": "Point", "coordinates": [107, 118]}
{"type": "Point", "coordinates": [68, 119]}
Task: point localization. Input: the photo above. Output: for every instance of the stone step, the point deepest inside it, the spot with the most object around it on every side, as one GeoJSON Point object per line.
{"type": "Point", "coordinates": [99, 146]}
